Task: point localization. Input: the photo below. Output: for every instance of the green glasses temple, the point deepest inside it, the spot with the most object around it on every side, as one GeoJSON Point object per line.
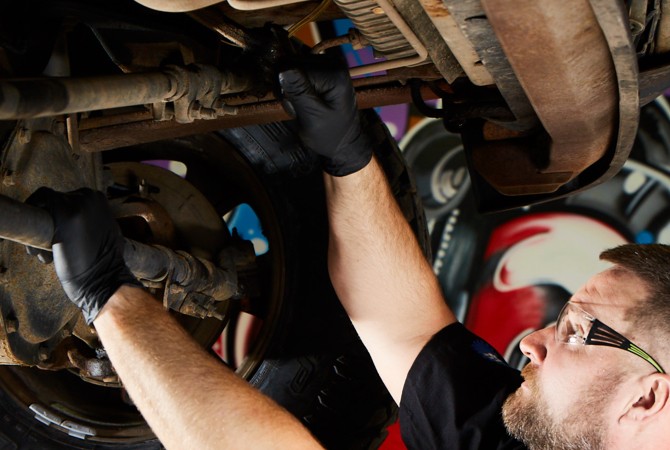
{"type": "Point", "coordinates": [601, 334]}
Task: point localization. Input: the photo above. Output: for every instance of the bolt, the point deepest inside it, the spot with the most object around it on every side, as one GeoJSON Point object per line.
{"type": "Point", "coordinates": [7, 177]}
{"type": "Point", "coordinates": [24, 135]}
{"type": "Point", "coordinates": [377, 10]}
{"type": "Point", "coordinates": [143, 188]}
{"type": "Point", "coordinates": [11, 325]}
{"type": "Point", "coordinates": [58, 127]}
{"type": "Point", "coordinates": [43, 353]}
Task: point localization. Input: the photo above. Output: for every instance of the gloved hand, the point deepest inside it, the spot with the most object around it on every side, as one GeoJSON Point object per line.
{"type": "Point", "coordinates": [329, 125]}
{"type": "Point", "coordinates": [87, 247]}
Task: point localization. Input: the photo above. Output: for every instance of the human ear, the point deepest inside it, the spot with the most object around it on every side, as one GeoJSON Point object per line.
{"type": "Point", "coordinates": [652, 398]}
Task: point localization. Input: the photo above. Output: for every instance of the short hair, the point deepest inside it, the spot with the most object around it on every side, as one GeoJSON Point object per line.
{"type": "Point", "coordinates": [651, 263]}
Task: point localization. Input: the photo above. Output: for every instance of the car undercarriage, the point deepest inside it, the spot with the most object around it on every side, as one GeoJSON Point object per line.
{"type": "Point", "coordinates": [545, 95]}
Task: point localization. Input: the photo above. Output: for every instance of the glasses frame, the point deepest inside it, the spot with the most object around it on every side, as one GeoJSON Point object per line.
{"type": "Point", "coordinates": [603, 335]}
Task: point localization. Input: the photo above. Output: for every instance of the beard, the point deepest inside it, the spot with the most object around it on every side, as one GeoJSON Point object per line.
{"type": "Point", "coordinates": [527, 417]}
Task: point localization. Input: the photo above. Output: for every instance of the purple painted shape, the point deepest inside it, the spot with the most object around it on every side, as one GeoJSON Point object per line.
{"type": "Point", "coordinates": [396, 118]}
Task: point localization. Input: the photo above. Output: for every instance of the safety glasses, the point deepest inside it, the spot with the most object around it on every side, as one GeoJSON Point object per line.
{"type": "Point", "coordinates": [577, 327]}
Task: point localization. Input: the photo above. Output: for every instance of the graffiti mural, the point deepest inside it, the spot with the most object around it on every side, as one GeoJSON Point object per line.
{"type": "Point", "coordinates": [508, 274]}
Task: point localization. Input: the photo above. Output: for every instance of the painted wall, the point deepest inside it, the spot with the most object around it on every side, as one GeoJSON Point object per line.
{"type": "Point", "coordinates": [509, 274]}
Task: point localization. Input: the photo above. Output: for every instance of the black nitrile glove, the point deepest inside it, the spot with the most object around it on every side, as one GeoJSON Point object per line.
{"type": "Point", "coordinates": [329, 125]}
{"type": "Point", "coordinates": [87, 247]}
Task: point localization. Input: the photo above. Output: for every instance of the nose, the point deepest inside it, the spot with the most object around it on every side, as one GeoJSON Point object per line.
{"type": "Point", "coordinates": [534, 346]}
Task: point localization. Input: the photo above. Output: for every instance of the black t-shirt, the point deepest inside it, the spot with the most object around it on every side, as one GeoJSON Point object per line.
{"type": "Point", "coordinates": [454, 392]}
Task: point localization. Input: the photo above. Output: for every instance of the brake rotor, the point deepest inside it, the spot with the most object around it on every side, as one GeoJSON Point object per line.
{"type": "Point", "coordinates": [169, 204]}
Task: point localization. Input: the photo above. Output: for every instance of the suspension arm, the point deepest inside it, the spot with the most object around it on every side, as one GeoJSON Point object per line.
{"type": "Point", "coordinates": [32, 226]}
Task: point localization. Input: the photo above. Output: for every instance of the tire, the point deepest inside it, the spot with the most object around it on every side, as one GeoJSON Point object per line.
{"type": "Point", "coordinates": [308, 356]}
{"type": "Point", "coordinates": [322, 373]}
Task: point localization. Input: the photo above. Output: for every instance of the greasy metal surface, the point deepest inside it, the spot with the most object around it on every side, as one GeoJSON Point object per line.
{"type": "Point", "coordinates": [155, 263]}
{"type": "Point", "coordinates": [653, 82]}
{"type": "Point", "coordinates": [459, 45]}
{"type": "Point", "coordinates": [193, 91]}
{"type": "Point", "coordinates": [107, 138]}
{"type": "Point", "coordinates": [440, 54]}
{"type": "Point", "coordinates": [611, 17]}
{"type": "Point", "coordinates": [377, 28]}
{"type": "Point", "coordinates": [50, 97]}
{"type": "Point", "coordinates": [196, 228]}
{"type": "Point", "coordinates": [31, 299]}
{"type": "Point", "coordinates": [579, 112]}
{"type": "Point", "coordinates": [663, 31]}
{"type": "Point", "coordinates": [200, 229]}
{"type": "Point", "coordinates": [473, 23]}
{"type": "Point", "coordinates": [22, 223]}
{"type": "Point", "coordinates": [159, 226]}
{"type": "Point", "coordinates": [419, 49]}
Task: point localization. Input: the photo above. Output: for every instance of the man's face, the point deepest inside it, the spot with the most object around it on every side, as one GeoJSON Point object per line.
{"type": "Point", "coordinates": [568, 396]}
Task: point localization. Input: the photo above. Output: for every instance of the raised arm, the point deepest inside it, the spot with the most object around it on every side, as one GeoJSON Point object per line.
{"type": "Point", "coordinates": [188, 398]}
{"type": "Point", "coordinates": [376, 265]}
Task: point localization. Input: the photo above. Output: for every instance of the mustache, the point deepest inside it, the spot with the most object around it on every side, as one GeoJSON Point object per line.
{"type": "Point", "coordinates": [529, 373]}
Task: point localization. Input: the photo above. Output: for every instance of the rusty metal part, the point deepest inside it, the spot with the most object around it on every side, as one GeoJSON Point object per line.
{"type": "Point", "coordinates": [637, 17]}
{"type": "Point", "coordinates": [193, 90]}
{"type": "Point", "coordinates": [99, 368]}
{"type": "Point", "coordinates": [156, 263]}
{"type": "Point", "coordinates": [313, 16]}
{"type": "Point", "coordinates": [662, 44]}
{"type": "Point", "coordinates": [439, 52]}
{"type": "Point", "coordinates": [378, 28]}
{"type": "Point", "coordinates": [653, 83]}
{"type": "Point", "coordinates": [21, 99]}
{"type": "Point", "coordinates": [100, 139]}
{"type": "Point", "coordinates": [195, 285]}
{"type": "Point", "coordinates": [353, 38]}
{"type": "Point", "coordinates": [215, 20]}
{"type": "Point", "coordinates": [20, 225]}
{"type": "Point", "coordinates": [473, 23]}
{"type": "Point", "coordinates": [460, 46]}
{"type": "Point", "coordinates": [160, 225]}
{"type": "Point", "coordinates": [33, 306]}
{"type": "Point", "coordinates": [202, 232]}
{"type": "Point", "coordinates": [644, 17]}
{"type": "Point", "coordinates": [387, 31]}
{"type": "Point", "coordinates": [611, 17]}
{"type": "Point", "coordinates": [579, 114]}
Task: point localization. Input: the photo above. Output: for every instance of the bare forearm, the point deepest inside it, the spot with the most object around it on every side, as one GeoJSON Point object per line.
{"type": "Point", "coordinates": [188, 398]}
{"type": "Point", "coordinates": [380, 273]}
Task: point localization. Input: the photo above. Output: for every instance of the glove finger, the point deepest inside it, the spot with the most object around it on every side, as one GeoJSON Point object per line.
{"type": "Point", "coordinates": [333, 85]}
{"type": "Point", "coordinates": [299, 90]}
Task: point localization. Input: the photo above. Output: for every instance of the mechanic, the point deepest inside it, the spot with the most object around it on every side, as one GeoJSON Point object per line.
{"type": "Point", "coordinates": [580, 390]}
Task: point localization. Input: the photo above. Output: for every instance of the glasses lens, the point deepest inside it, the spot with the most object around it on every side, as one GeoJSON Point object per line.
{"type": "Point", "coordinates": [573, 325]}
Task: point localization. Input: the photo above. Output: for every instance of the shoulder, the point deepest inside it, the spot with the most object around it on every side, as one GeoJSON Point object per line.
{"type": "Point", "coordinates": [454, 393]}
